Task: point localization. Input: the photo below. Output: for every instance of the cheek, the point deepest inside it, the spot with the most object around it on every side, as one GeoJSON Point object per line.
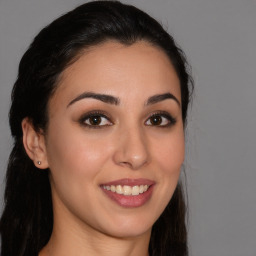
{"type": "Point", "coordinates": [75, 162]}
{"type": "Point", "coordinates": [170, 154]}
{"type": "Point", "coordinates": [71, 150]}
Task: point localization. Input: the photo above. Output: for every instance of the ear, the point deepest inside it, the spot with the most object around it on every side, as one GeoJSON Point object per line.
{"type": "Point", "coordinates": [34, 144]}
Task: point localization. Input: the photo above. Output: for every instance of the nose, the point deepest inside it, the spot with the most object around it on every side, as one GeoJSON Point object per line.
{"type": "Point", "coordinates": [132, 150]}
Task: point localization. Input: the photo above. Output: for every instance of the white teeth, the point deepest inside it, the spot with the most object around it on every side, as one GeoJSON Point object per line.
{"type": "Point", "coordinates": [127, 190]}
{"type": "Point", "coordinates": [119, 189]}
{"type": "Point", "coordinates": [141, 189]}
{"type": "Point", "coordinates": [135, 190]}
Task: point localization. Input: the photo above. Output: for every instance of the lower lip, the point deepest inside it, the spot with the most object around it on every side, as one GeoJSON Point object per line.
{"type": "Point", "coordinates": [130, 201]}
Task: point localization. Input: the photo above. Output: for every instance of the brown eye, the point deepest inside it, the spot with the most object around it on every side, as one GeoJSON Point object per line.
{"type": "Point", "coordinates": [161, 120]}
{"type": "Point", "coordinates": [95, 120]}
{"type": "Point", "coordinates": [155, 120]}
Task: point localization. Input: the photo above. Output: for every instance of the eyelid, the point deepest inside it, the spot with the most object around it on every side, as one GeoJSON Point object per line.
{"type": "Point", "coordinates": [93, 113]}
{"type": "Point", "coordinates": [165, 115]}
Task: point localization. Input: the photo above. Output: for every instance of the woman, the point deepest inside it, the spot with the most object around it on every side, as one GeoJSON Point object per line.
{"type": "Point", "coordinates": [98, 115]}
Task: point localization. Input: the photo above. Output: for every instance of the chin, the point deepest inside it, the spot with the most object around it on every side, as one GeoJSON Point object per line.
{"type": "Point", "coordinates": [128, 228]}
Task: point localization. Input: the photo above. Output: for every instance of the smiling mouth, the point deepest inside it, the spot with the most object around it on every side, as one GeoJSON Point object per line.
{"type": "Point", "coordinates": [127, 190]}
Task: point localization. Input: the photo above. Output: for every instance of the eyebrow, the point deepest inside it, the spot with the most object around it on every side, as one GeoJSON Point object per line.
{"type": "Point", "coordinates": [116, 101]}
{"type": "Point", "coordinates": [160, 97]}
{"type": "Point", "coordinates": [102, 97]}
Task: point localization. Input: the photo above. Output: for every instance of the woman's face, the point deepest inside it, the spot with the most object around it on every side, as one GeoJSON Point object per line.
{"type": "Point", "coordinates": [115, 140]}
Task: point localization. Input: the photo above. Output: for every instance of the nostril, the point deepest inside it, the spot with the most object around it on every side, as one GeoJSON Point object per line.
{"type": "Point", "coordinates": [126, 164]}
{"type": "Point", "coordinates": [131, 150]}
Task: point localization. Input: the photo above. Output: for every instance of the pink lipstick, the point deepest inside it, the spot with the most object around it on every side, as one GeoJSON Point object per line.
{"type": "Point", "coordinates": [129, 192]}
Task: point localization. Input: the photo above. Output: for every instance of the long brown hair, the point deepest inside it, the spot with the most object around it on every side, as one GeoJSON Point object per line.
{"type": "Point", "coordinates": [27, 220]}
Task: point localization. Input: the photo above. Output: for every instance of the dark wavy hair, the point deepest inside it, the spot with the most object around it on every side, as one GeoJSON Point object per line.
{"type": "Point", "coordinates": [27, 220]}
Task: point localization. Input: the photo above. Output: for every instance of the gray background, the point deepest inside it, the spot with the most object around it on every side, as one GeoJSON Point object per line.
{"type": "Point", "coordinates": [219, 38]}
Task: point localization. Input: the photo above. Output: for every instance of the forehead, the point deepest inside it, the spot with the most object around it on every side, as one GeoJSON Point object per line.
{"type": "Point", "coordinates": [118, 69]}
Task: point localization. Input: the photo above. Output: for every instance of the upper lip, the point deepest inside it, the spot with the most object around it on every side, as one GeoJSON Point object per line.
{"type": "Point", "coordinates": [130, 182]}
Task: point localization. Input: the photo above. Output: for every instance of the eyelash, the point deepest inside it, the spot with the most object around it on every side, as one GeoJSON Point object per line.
{"type": "Point", "coordinates": [99, 114]}
{"type": "Point", "coordinates": [163, 114]}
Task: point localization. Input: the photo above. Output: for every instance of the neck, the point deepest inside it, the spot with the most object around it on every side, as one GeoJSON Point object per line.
{"type": "Point", "coordinates": [73, 243]}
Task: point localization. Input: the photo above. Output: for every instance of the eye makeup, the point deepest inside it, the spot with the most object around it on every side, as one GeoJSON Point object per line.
{"type": "Point", "coordinates": [98, 119]}
{"type": "Point", "coordinates": [95, 119]}
{"type": "Point", "coordinates": [161, 119]}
